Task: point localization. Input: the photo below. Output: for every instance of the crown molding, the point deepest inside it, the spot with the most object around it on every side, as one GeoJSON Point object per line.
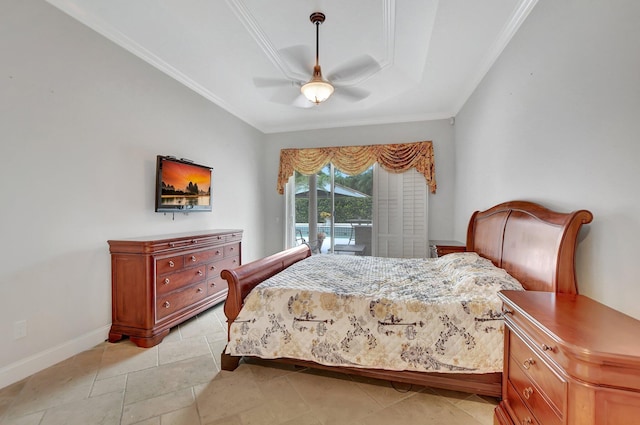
{"type": "Point", "coordinates": [131, 46]}
{"type": "Point", "coordinates": [377, 120]}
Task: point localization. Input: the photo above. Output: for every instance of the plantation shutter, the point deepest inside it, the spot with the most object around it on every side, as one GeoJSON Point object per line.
{"type": "Point", "coordinates": [400, 214]}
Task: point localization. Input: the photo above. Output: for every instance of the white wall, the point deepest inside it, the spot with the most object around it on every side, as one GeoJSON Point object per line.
{"type": "Point", "coordinates": [81, 122]}
{"type": "Point", "coordinates": [557, 121]}
{"type": "Point", "coordinates": [440, 132]}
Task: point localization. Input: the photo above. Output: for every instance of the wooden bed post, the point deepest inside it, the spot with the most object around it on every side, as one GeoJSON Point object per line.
{"type": "Point", "coordinates": [227, 362]}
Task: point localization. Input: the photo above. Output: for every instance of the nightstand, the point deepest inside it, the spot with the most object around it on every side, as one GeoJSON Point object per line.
{"type": "Point", "coordinates": [438, 248]}
{"type": "Point", "coordinates": [568, 360]}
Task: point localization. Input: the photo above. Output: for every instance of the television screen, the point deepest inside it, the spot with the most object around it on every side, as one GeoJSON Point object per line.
{"type": "Point", "coordinates": [182, 186]}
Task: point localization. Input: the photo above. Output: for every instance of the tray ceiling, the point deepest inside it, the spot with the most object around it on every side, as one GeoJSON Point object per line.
{"type": "Point", "coordinates": [431, 54]}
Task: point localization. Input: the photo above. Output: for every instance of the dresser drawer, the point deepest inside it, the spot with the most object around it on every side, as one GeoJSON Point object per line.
{"type": "Point", "coordinates": [522, 413]}
{"type": "Point", "coordinates": [176, 301]}
{"type": "Point", "coordinates": [173, 281]}
{"type": "Point", "coordinates": [554, 386]}
{"type": "Point", "coordinates": [232, 250]}
{"type": "Point", "coordinates": [216, 285]}
{"type": "Point", "coordinates": [202, 257]}
{"type": "Point", "coordinates": [532, 396]}
{"type": "Point", "coordinates": [514, 319]}
{"type": "Point", "coordinates": [169, 264]}
{"type": "Point", "coordinates": [214, 269]}
{"type": "Point", "coordinates": [233, 237]}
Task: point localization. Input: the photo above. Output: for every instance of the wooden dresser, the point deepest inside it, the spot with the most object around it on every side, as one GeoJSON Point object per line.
{"type": "Point", "coordinates": [568, 360]}
{"type": "Point", "coordinates": [158, 282]}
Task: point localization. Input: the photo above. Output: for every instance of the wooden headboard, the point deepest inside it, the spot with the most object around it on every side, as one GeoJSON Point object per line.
{"type": "Point", "coordinates": [532, 243]}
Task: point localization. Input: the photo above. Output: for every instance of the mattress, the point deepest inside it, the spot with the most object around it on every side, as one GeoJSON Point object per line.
{"type": "Point", "coordinates": [437, 314]}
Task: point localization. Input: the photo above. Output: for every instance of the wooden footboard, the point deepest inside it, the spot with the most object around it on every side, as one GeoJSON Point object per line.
{"type": "Point", "coordinates": [243, 279]}
{"type": "Point", "coordinates": [246, 277]}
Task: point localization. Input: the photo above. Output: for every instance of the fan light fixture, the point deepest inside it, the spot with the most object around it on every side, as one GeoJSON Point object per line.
{"type": "Point", "coordinates": [317, 90]}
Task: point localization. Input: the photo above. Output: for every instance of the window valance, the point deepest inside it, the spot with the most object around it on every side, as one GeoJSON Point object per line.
{"type": "Point", "coordinates": [395, 158]}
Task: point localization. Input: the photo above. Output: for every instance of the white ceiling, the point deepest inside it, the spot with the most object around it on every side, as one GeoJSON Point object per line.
{"type": "Point", "coordinates": [432, 53]}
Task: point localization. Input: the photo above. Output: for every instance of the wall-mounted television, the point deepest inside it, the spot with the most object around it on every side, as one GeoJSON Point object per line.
{"type": "Point", "coordinates": [182, 185]}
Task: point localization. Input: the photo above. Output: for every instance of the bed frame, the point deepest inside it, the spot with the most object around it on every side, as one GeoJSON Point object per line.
{"type": "Point", "coordinates": [532, 243]}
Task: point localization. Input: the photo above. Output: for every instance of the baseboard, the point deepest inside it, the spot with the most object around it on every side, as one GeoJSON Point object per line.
{"type": "Point", "coordinates": [42, 360]}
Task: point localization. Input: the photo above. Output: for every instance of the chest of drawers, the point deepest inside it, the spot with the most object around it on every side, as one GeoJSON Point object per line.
{"type": "Point", "coordinates": [568, 360]}
{"type": "Point", "coordinates": [159, 282]}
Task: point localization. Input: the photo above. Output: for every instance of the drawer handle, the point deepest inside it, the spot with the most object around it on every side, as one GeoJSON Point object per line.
{"type": "Point", "coordinates": [166, 304]}
{"type": "Point", "coordinates": [194, 241]}
{"type": "Point", "coordinates": [200, 273]}
{"type": "Point", "coordinates": [528, 363]}
{"type": "Point", "coordinates": [172, 244]}
{"type": "Point", "coordinates": [193, 258]}
{"type": "Point", "coordinates": [234, 261]}
{"type": "Point", "coordinates": [212, 268]}
{"type": "Point", "coordinates": [527, 421]}
{"type": "Point", "coordinates": [199, 290]}
{"type": "Point", "coordinates": [166, 280]}
{"type": "Point", "coordinates": [213, 285]}
{"type": "Point", "coordinates": [546, 347]}
{"type": "Point", "coordinates": [527, 392]}
{"type": "Point", "coordinates": [171, 263]}
{"type": "Point", "coordinates": [218, 252]}
{"type": "Point", "coordinates": [231, 249]}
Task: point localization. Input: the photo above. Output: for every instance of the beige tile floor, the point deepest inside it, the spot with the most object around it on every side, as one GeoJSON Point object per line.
{"type": "Point", "coordinates": [179, 382]}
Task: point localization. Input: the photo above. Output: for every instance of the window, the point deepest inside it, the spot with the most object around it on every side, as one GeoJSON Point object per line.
{"type": "Point", "coordinates": [336, 216]}
{"type": "Point", "coordinates": [397, 222]}
{"type": "Point", "coordinates": [372, 213]}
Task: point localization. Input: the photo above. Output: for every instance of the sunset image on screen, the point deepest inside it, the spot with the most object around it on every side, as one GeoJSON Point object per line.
{"type": "Point", "coordinates": [185, 186]}
{"type": "Point", "coordinates": [178, 176]}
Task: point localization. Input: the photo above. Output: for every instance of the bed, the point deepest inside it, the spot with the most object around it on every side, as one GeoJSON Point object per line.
{"type": "Point", "coordinates": [516, 243]}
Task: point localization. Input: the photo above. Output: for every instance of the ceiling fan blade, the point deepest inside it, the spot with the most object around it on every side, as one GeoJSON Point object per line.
{"type": "Point", "coordinates": [291, 98]}
{"type": "Point", "coordinates": [352, 94]}
{"type": "Point", "coordinates": [284, 96]}
{"type": "Point", "coordinates": [354, 71]}
{"type": "Point", "coordinates": [272, 82]}
{"type": "Point", "coordinates": [299, 58]}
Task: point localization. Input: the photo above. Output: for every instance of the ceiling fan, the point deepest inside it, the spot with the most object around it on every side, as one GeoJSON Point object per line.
{"type": "Point", "coordinates": [317, 89]}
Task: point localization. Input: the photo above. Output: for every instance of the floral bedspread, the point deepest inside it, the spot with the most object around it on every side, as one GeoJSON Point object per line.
{"type": "Point", "coordinates": [440, 314]}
